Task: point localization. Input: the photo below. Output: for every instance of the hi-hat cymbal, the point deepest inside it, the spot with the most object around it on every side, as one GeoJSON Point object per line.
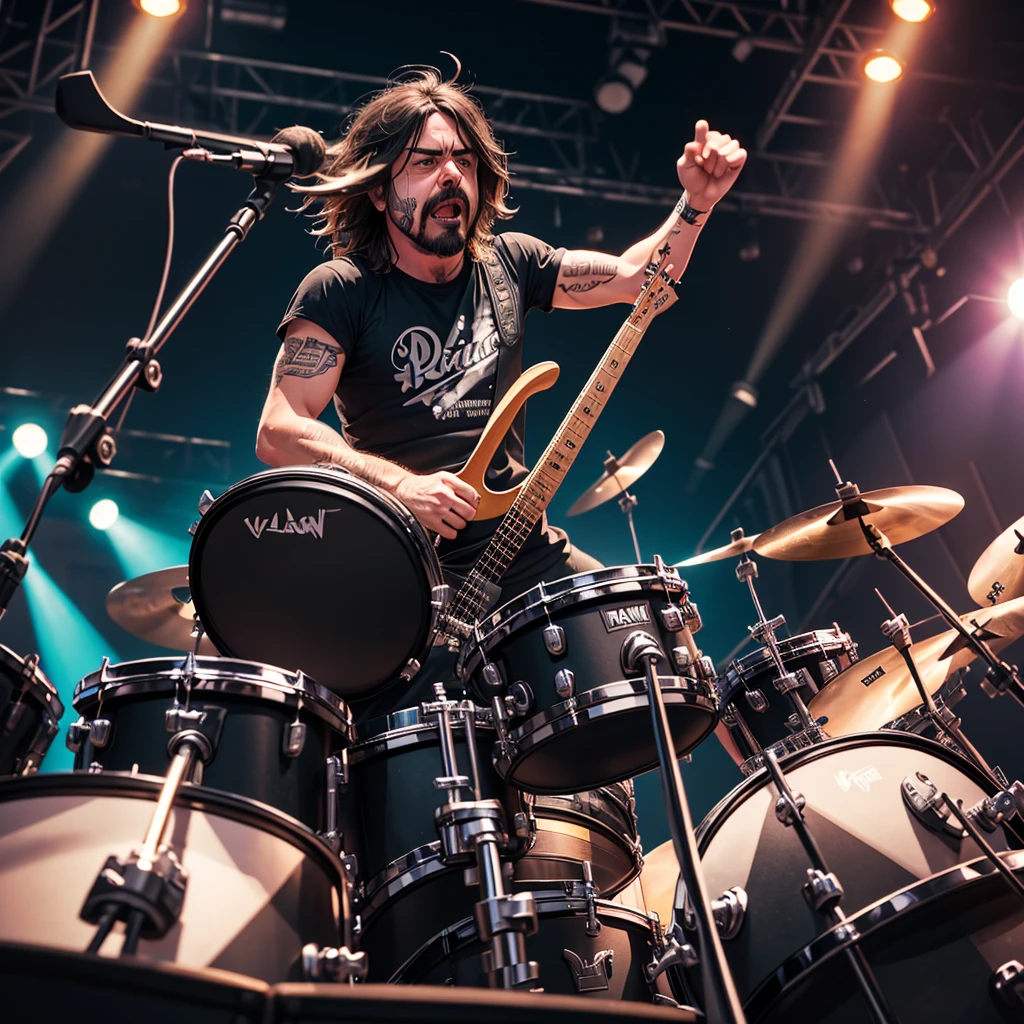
{"type": "Point", "coordinates": [157, 607]}
{"type": "Point", "coordinates": [620, 474]}
{"type": "Point", "coordinates": [739, 545]}
{"type": "Point", "coordinates": [1002, 562]}
{"type": "Point", "coordinates": [879, 688]}
{"type": "Point", "coordinates": [901, 513]}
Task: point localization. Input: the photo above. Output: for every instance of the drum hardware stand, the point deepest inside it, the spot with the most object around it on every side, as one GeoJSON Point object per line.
{"type": "Point", "coordinates": [475, 830]}
{"type": "Point", "coordinates": [641, 651]}
{"type": "Point", "coordinates": [147, 889]}
{"type": "Point", "coordinates": [824, 892]}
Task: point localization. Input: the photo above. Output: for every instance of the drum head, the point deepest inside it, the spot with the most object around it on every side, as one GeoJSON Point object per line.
{"type": "Point", "coordinates": [314, 571]}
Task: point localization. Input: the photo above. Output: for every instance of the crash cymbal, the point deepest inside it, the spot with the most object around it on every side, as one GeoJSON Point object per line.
{"type": "Point", "coordinates": [901, 513]}
{"type": "Point", "coordinates": [879, 688]}
{"type": "Point", "coordinates": [157, 607]}
{"type": "Point", "coordinates": [620, 474]}
{"type": "Point", "coordinates": [1002, 563]}
{"type": "Point", "coordinates": [658, 880]}
{"type": "Point", "coordinates": [739, 545]}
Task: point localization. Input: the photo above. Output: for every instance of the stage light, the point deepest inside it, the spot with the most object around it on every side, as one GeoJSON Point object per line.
{"type": "Point", "coordinates": [103, 514]}
{"type": "Point", "coordinates": [882, 66]}
{"type": "Point", "coordinates": [912, 10]}
{"type": "Point", "coordinates": [614, 91]}
{"type": "Point", "coordinates": [29, 440]}
{"type": "Point", "coordinates": [160, 8]}
{"type": "Point", "coordinates": [139, 548]}
{"type": "Point", "coordinates": [745, 393]}
{"type": "Point", "coordinates": [1015, 297]}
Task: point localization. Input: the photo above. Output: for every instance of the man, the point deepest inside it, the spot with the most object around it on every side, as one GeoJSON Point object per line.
{"type": "Point", "coordinates": [399, 328]}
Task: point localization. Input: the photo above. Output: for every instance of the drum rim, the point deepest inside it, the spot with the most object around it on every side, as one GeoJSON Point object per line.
{"type": "Point", "coordinates": [205, 799]}
{"type": "Point", "coordinates": [37, 684]}
{"type": "Point", "coordinates": [109, 683]}
{"type": "Point", "coordinates": [841, 640]}
{"type": "Point", "coordinates": [549, 903]}
{"type": "Point", "coordinates": [610, 699]}
{"type": "Point", "coordinates": [628, 815]}
{"type": "Point", "coordinates": [542, 600]}
{"type": "Point", "coordinates": [393, 512]}
{"type": "Point", "coordinates": [911, 898]}
{"type": "Point", "coordinates": [402, 729]}
{"type": "Point", "coordinates": [708, 828]}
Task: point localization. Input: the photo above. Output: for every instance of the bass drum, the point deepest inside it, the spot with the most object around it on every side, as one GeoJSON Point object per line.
{"type": "Point", "coordinates": [30, 711]}
{"type": "Point", "coordinates": [260, 885]}
{"type": "Point", "coordinates": [870, 839]}
{"type": "Point", "coordinates": [313, 568]}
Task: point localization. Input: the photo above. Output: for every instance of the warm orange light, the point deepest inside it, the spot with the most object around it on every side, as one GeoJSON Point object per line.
{"type": "Point", "coordinates": [882, 66]}
{"type": "Point", "coordinates": [912, 10]}
{"type": "Point", "coordinates": [160, 8]}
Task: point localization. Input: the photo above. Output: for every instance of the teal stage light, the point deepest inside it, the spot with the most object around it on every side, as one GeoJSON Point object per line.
{"type": "Point", "coordinates": [140, 549]}
{"type": "Point", "coordinates": [29, 440]}
{"type": "Point", "coordinates": [103, 514]}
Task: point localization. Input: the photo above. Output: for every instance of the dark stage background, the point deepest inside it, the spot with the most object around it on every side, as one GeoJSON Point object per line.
{"type": "Point", "coordinates": [74, 292]}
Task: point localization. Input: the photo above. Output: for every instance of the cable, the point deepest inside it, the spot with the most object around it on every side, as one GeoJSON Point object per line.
{"type": "Point", "coordinates": [131, 933]}
{"type": "Point", "coordinates": [106, 923]}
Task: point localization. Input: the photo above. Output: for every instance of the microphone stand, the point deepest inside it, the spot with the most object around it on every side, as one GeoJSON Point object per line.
{"type": "Point", "coordinates": [87, 441]}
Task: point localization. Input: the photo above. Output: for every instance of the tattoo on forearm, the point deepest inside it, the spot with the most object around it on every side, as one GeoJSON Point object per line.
{"type": "Point", "coordinates": [402, 210]}
{"type": "Point", "coordinates": [304, 357]}
{"type": "Point", "coordinates": [578, 287]}
{"type": "Point", "coordinates": [585, 268]}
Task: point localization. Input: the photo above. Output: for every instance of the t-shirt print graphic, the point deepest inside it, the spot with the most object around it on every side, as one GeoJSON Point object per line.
{"type": "Point", "coordinates": [441, 376]}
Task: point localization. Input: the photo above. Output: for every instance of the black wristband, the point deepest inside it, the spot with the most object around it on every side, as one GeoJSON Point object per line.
{"type": "Point", "coordinates": [687, 212]}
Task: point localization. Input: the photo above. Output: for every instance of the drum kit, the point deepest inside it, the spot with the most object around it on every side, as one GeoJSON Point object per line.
{"type": "Point", "coordinates": [228, 815]}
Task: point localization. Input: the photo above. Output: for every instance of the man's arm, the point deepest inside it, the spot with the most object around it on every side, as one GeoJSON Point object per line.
{"type": "Point", "coordinates": [306, 373]}
{"type": "Point", "coordinates": [707, 170]}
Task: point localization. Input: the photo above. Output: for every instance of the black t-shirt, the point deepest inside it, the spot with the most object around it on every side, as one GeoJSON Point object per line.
{"type": "Point", "coordinates": [424, 364]}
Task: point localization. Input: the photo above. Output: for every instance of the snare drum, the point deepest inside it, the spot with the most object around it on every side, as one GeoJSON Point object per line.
{"type": "Point", "coordinates": [29, 712]}
{"type": "Point", "coordinates": [869, 837]}
{"type": "Point", "coordinates": [581, 721]}
{"type": "Point", "coordinates": [747, 690]}
{"type": "Point", "coordinates": [279, 728]}
{"type": "Point", "coordinates": [313, 568]}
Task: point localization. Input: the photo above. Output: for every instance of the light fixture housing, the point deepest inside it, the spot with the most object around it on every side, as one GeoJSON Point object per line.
{"type": "Point", "coordinates": [161, 8]}
{"type": "Point", "coordinates": [882, 66]}
{"type": "Point", "coordinates": [29, 440]}
{"type": "Point", "coordinates": [912, 10]}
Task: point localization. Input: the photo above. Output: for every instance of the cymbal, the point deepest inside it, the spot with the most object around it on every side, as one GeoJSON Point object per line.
{"type": "Point", "coordinates": [901, 513]}
{"type": "Point", "coordinates": [620, 474]}
{"type": "Point", "coordinates": [1001, 562]}
{"type": "Point", "coordinates": [658, 880]}
{"type": "Point", "coordinates": [739, 545]}
{"type": "Point", "coordinates": [158, 608]}
{"type": "Point", "coordinates": [879, 688]}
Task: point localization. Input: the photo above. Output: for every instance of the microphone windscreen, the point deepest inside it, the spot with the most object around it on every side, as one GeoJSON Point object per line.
{"type": "Point", "coordinates": [307, 146]}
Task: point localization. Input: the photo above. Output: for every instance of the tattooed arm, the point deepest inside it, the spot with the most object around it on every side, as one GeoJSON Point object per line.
{"type": "Point", "coordinates": [306, 373]}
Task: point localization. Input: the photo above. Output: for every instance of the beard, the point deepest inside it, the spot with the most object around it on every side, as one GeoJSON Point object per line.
{"type": "Point", "coordinates": [450, 242]}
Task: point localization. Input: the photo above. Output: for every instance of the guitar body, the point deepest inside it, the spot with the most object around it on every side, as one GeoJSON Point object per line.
{"type": "Point", "coordinates": [497, 503]}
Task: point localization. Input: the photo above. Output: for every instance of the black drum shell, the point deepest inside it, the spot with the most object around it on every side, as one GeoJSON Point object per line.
{"type": "Point", "coordinates": [249, 760]}
{"type": "Point", "coordinates": [30, 711]}
{"type": "Point", "coordinates": [260, 884]}
{"type": "Point", "coordinates": [607, 734]}
{"type": "Point", "coordinates": [868, 838]}
{"type": "Point", "coordinates": [351, 607]}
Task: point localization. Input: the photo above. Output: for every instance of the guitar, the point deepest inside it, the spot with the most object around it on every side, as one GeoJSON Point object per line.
{"type": "Point", "coordinates": [522, 506]}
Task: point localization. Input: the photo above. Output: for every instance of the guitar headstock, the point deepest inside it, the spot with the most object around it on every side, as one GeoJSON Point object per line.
{"type": "Point", "coordinates": [658, 292]}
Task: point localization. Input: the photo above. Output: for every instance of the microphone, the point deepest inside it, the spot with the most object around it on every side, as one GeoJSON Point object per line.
{"type": "Point", "coordinates": [294, 152]}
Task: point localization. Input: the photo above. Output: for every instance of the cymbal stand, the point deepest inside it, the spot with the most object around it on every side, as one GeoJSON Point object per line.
{"type": "Point", "coordinates": [627, 502]}
{"type": "Point", "coordinates": [475, 829]}
{"type": "Point", "coordinates": [641, 651]}
{"type": "Point", "coordinates": [824, 892]}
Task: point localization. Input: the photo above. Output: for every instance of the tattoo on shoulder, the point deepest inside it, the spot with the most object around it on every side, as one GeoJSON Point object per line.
{"type": "Point", "coordinates": [304, 357]}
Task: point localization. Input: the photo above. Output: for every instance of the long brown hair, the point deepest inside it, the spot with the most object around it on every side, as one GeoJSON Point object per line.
{"type": "Point", "coordinates": [376, 137]}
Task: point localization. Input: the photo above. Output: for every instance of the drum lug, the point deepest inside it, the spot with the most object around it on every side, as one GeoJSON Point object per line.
{"type": "Point", "coordinates": [924, 801]}
{"type": "Point", "coordinates": [554, 639]}
{"type": "Point", "coordinates": [77, 732]}
{"type": "Point", "coordinates": [331, 836]}
{"type": "Point", "coordinates": [491, 676]}
{"type": "Point", "coordinates": [350, 865]}
{"type": "Point", "coordinates": [675, 951]}
{"type": "Point", "coordinates": [822, 890]}
{"type": "Point", "coordinates": [521, 694]}
{"type": "Point", "coordinates": [728, 911]}
{"type": "Point", "coordinates": [206, 499]}
{"type": "Point", "coordinates": [412, 667]}
{"type": "Point", "coordinates": [672, 618]}
{"type": "Point", "coordinates": [681, 659]}
{"type": "Point", "coordinates": [99, 732]}
{"type": "Point", "coordinates": [756, 700]}
{"type": "Point", "coordinates": [333, 963]}
{"type": "Point", "coordinates": [590, 976]}
{"type": "Point", "coordinates": [593, 927]}
{"type": "Point", "coordinates": [565, 682]}
{"type": "Point", "coordinates": [294, 739]}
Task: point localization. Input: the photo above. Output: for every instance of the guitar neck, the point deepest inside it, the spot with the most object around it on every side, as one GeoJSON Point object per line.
{"type": "Point", "coordinates": [547, 475]}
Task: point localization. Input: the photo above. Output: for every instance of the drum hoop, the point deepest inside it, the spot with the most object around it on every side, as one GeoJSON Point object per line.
{"type": "Point", "coordinates": [37, 685]}
{"type": "Point", "coordinates": [400, 874]}
{"type": "Point", "coordinates": [545, 599]}
{"type": "Point", "coordinates": [718, 814]}
{"type": "Point", "coordinates": [826, 946]}
{"type": "Point", "coordinates": [610, 820]}
{"type": "Point", "coordinates": [213, 680]}
{"type": "Point", "coordinates": [401, 729]}
{"type": "Point", "coordinates": [196, 798]}
{"type": "Point", "coordinates": [549, 903]}
{"type": "Point", "coordinates": [824, 641]}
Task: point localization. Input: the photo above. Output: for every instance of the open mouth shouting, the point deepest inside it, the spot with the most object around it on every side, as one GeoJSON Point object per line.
{"type": "Point", "coordinates": [449, 208]}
